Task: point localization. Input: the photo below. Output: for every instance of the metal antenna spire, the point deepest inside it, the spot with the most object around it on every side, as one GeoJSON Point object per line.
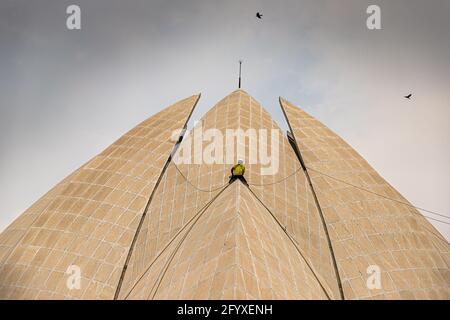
{"type": "Point", "coordinates": [240, 64]}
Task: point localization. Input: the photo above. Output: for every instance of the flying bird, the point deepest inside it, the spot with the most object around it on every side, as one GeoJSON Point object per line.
{"type": "Point", "coordinates": [259, 15]}
{"type": "Point", "coordinates": [408, 96]}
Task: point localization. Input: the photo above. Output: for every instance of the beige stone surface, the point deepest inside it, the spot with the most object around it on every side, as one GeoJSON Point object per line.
{"type": "Point", "coordinates": [174, 205]}
{"type": "Point", "coordinates": [285, 193]}
{"type": "Point", "coordinates": [366, 228]}
{"type": "Point", "coordinates": [90, 218]}
{"type": "Point", "coordinates": [233, 249]}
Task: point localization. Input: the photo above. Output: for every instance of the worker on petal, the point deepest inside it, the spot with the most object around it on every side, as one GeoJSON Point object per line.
{"type": "Point", "coordinates": [237, 171]}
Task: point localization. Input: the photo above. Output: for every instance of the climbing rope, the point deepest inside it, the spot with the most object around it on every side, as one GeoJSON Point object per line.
{"type": "Point", "coordinates": [385, 197]}
{"type": "Point", "coordinates": [194, 186]}
{"type": "Point", "coordinates": [276, 182]}
{"type": "Point", "coordinates": [193, 219]}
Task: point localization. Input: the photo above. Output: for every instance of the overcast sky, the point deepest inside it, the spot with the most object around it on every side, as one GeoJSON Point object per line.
{"type": "Point", "coordinates": [68, 94]}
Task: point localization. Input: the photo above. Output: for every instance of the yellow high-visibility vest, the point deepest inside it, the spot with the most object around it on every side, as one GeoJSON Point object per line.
{"type": "Point", "coordinates": [238, 170]}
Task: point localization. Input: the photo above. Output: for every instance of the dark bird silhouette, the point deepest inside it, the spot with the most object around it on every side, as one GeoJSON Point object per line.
{"type": "Point", "coordinates": [408, 96]}
{"type": "Point", "coordinates": [259, 15]}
